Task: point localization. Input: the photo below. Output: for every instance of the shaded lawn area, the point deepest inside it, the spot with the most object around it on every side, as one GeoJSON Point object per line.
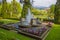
{"type": "Point", "coordinates": [8, 35]}
{"type": "Point", "coordinates": [54, 34]}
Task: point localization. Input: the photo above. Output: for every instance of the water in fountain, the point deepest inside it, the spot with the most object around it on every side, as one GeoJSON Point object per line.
{"type": "Point", "coordinates": [29, 16]}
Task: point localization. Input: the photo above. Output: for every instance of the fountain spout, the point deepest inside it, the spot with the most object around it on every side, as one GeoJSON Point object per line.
{"type": "Point", "coordinates": [29, 16]}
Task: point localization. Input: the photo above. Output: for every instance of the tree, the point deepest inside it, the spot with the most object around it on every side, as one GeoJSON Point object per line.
{"type": "Point", "coordinates": [57, 12]}
{"type": "Point", "coordinates": [0, 9]}
{"type": "Point", "coordinates": [4, 9]}
{"type": "Point", "coordinates": [16, 8]}
{"type": "Point", "coordinates": [52, 8]}
{"type": "Point", "coordinates": [25, 8]}
{"type": "Point", "coordinates": [10, 10]}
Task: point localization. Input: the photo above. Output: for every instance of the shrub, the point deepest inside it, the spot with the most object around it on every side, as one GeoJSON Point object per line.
{"type": "Point", "coordinates": [1, 22]}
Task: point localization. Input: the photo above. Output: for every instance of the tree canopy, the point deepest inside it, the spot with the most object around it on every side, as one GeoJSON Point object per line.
{"type": "Point", "coordinates": [57, 12]}
{"type": "Point", "coordinates": [25, 8]}
{"type": "Point", "coordinates": [10, 10]}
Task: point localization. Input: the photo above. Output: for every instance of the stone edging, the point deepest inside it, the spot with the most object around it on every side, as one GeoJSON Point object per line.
{"type": "Point", "coordinates": [34, 36]}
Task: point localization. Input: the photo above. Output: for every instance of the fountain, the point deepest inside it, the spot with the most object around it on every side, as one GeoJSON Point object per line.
{"type": "Point", "coordinates": [26, 22]}
{"type": "Point", "coordinates": [30, 26]}
{"type": "Point", "coordinates": [29, 20]}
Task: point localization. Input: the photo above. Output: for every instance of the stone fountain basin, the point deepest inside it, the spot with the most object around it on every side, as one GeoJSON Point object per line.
{"type": "Point", "coordinates": [41, 37]}
{"type": "Point", "coordinates": [10, 26]}
{"type": "Point", "coordinates": [27, 25]}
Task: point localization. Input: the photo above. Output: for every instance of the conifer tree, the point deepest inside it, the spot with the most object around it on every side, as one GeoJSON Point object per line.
{"type": "Point", "coordinates": [57, 12]}
{"type": "Point", "coordinates": [25, 8]}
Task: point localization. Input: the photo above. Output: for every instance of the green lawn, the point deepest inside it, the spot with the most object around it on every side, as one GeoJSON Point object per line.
{"type": "Point", "coordinates": [6, 21]}
{"type": "Point", "coordinates": [8, 35]}
{"type": "Point", "coordinates": [54, 34]}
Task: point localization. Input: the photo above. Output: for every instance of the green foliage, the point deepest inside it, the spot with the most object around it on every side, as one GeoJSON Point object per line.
{"type": "Point", "coordinates": [40, 13]}
{"type": "Point", "coordinates": [8, 10]}
{"type": "Point", "coordinates": [3, 10]}
{"type": "Point", "coordinates": [51, 13]}
{"type": "Point", "coordinates": [0, 10]}
{"type": "Point", "coordinates": [57, 12]}
{"type": "Point", "coordinates": [16, 9]}
{"type": "Point", "coordinates": [25, 8]}
{"type": "Point", "coordinates": [11, 10]}
{"type": "Point", "coordinates": [52, 8]}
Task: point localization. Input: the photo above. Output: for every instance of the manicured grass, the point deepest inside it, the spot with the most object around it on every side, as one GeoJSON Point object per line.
{"type": "Point", "coordinates": [54, 34]}
{"type": "Point", "coordinates": [6, 21]}
{"type": "Point", "coordinates": [8, 35]}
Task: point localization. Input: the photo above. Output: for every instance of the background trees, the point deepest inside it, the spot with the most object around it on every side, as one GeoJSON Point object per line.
{"type": "Point", "coordinates": [57, 12]}
{"type": "Point", "coordinates": [10, 10]}
{"type": "Point", "coordinates": [0, 10]}
{"type": "Point", "coordinates": [51, 12]}
{"type": "Point", "coordinates": [52, 8]}
{"type": "Point", "coordinates": [15, 8]}
{"type": "Point", "coordinates": [4, 9]}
